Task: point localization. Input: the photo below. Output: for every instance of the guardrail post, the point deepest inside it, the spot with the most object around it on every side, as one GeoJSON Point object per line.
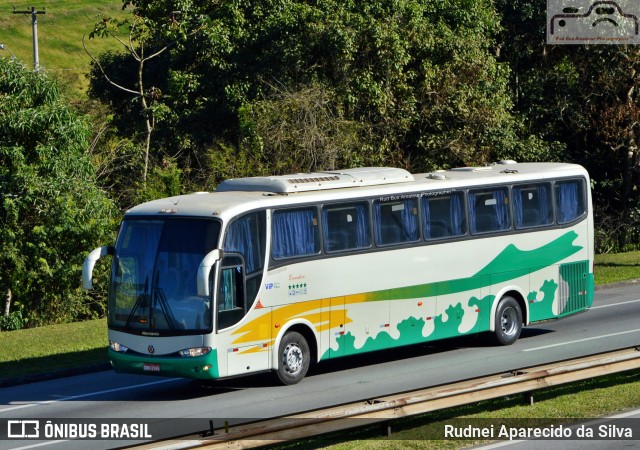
{"type": "Point", "coordinates": [528, 398]}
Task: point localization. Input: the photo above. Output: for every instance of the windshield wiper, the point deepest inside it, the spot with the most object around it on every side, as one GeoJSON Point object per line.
{"type": "Point", "coordinates": [164, 306]}
{"type": "Point", "coordinates": [139, 301]}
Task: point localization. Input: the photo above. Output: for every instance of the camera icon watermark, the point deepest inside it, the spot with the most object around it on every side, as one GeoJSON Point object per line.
{"type": "Point", "coordinates": [580, 22]}
{"type": "Point", "coordinates": [23, 429]}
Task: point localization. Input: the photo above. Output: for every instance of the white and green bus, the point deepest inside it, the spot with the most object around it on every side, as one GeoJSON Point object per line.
{"type": "Point", "coordinates": [274, 273]}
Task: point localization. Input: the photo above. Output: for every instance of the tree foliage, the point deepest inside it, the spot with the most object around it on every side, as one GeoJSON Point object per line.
{"type": "Point", "coordinates": [50, 208]}
{"type": "Point", "coordinates": [402, 82]}
{"type": "Point", "coordinates": [587, 98]}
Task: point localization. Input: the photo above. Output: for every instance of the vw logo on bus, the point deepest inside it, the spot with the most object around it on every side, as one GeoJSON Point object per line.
{"type": "Point", "coordinates": [151, 349]}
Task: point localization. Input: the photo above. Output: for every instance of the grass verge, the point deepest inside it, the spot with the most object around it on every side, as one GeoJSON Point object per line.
{"type": "Point", "coordinates": [53, 348]}
{"type": "Point", "coordinates": [617, 267]}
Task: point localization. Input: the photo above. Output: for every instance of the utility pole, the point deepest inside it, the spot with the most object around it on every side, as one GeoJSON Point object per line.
{"type": "Point", "coordinates": [34, 27]}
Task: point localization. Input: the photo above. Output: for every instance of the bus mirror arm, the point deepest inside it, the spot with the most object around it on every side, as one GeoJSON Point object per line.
{"type": "Point", "coordinates": [205, 269]}
{"type": "Point", "coordinates": [90, 262]}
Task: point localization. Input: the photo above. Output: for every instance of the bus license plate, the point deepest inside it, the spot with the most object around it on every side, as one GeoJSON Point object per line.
{"type": "Point", "coordinates": [148, 367]}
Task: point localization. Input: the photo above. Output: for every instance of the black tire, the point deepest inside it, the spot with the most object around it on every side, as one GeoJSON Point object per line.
{"type": "Point", "coordinates": [508, 321]}
{"type": "Point", "coordinates": [294, 358]}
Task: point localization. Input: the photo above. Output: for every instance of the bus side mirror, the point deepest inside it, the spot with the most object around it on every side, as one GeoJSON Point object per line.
{"type": "Point", "coordinates": [205, 269]}
{"type": "Point", "coordinates": [90, 262]}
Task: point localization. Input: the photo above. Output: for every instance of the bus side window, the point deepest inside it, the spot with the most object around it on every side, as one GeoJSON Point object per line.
{"type": "Point", "coordinates": [346, 226]}
{"type": "Point", "coordinates": [396, 221]}
{"type": "Point", "coordinates": [532, 205]}
{"type": "Point", "coordinates": [569, 200]}
{"type": "Point", "coordinates": [443, 216]}
{"type": "Point", "coordinates": [247, 236]}
{"type": "Point", "coordinates": [489, 210]}
{"type": "Point", "coordinates": [295, 233]}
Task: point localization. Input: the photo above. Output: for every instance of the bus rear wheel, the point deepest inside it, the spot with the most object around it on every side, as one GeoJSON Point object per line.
{"type": "Point", "coordinates": [294, 358]}
{"type": "Point", "coordinates": [508, 321]}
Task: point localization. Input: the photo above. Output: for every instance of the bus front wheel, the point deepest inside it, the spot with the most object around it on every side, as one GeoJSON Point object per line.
{"type": "Point", "coordinates": [508, 321]}
{"type": "Point", "coordinates": [294, 358]}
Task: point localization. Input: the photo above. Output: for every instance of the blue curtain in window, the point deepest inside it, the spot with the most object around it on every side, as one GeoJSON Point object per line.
{"type": "Point", "coordinates": [377, 220]}
{"type": "Point", "coordinates": [410, 220]}
{"type": "Point", "coordinates": [362, 223]}
{"type": "Point", "coordinates": [517, 207]}
{"type": "Point", "coordinates": [502, 209]}
{"type": "Point", "coordinates": [456, 213]}
{"type": "Point", "coordinates": [426, 214]}
{"type": "Point", "coordinates": [294, 233]}
{"type": "Point", "coordinates": [472, 212]}
{"type": "Point", "coordinates": [545, 211]}
{"type": "Point", "coordinates": [567, 202]}
{"type": "Point", "coordinates": [239, 240]}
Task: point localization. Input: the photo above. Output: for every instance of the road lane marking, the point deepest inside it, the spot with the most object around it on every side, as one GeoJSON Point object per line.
{"type": "Point", "coordinates": [41, 444]}
{"type": "Point", "coordinates": [88, 394]}
{"type": "Point", "coordinates": [581, 340]}
{"type": "Point", "coordinates": [615, 304]}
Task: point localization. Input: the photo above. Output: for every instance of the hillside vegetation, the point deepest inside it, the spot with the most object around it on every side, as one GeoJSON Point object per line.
{"type": "Point", "coordinates": [60, 32]}
{"type": "Point", "coordinates": [205, 91]}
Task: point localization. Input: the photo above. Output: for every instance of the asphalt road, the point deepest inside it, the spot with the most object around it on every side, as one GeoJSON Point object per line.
{"type": "Point", "coordinates": [183, 406]}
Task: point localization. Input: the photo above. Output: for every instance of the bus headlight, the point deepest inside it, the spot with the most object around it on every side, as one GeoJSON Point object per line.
{"type": "Point", "coordinates": [118, 347]}
{"type": "Point", "coordinates": [193, 352]}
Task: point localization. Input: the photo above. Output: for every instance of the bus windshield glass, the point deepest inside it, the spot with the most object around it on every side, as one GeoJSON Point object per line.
{"type": "Point", "coordinates": [153, 287]}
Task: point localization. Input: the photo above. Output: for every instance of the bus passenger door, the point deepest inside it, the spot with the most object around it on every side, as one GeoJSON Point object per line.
{"type": "Point", "coordinates": [246, 353]}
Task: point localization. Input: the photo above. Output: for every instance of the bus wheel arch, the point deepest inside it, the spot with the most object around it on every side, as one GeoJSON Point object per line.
{"type": "Point", "coordinates": [509, 318]}
{"type": "Point", "coordinates": [296, 350]}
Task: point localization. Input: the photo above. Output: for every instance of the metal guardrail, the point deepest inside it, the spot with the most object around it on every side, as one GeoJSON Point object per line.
{"type": "Point", "coordinates": [312, 423]}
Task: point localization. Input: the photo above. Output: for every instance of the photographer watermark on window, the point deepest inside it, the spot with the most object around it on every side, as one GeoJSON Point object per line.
{"type": "Point", "coordinates": [575, 22]}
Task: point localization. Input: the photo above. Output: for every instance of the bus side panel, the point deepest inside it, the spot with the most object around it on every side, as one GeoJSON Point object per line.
{"type": "Point", "coordinates": [457, 313]}
{"type": "Point", "coordinates": [574, 290]}
{"type": "Point", "coordinates": [368, 327]}
{"type": "Point", "coordinates": [541, 298]}
{"type": "Point", "coordinates": [412, 321]}
{"type": "Point", "coordinates": [332, 327]}
{"type": "Point", "coordinates": [245, 348]}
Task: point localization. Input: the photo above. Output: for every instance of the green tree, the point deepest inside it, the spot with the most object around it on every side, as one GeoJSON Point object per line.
{"type": "Point", "coordinates": [51, 212]}
{"type": "Point", "coordinates": [405, 82]}
{"type": "Point", "coordinates": [587, 99]}
{"type": "Point", "coordinates": [147, 37]}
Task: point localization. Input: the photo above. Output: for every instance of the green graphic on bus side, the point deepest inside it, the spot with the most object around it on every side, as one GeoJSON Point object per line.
{"type": "Point", "coordinates": [411, 329]}
{"type": "Point", "coordinates": [543, 308]}
{"type": "Point", "coordinates": [510, 264]}
{"type": "Point", "coordinates": [506, 266]}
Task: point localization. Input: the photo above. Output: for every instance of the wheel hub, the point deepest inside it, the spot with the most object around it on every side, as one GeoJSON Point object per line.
{"type": "Point", "coordinates": [292, 358]}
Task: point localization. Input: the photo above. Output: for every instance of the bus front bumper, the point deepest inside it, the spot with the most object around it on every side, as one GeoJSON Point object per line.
{"type": "Point", "coordinates": [202, 367]}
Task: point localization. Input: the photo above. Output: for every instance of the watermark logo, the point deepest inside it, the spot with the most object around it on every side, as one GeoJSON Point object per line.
{"type": "Point", "coordinates": [575, 22]}
{"type": "Point", "coordinates": [23, 429]}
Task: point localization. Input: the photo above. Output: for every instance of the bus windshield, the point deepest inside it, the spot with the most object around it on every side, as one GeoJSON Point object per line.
{"type": "Point", "coordinates": [153, 287]}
